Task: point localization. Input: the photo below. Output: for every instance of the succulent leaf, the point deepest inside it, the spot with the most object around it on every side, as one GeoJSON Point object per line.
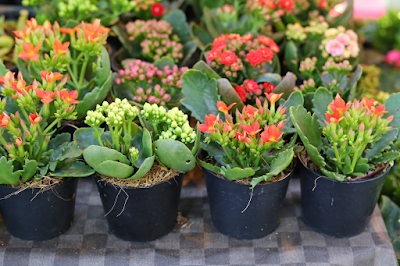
{"type": "Point", "coordinates": [236, 172]}
{"type": "Point", "coordinates": [387, 157]}
{"type": "Point", "coordinates": [30, 168]}
{"type": "Point", "coordinates": [206, 69]}
{"type": "Point", "coordinates": [295, 99]}
{"type": "Point", "coordinates": [333, 175]}
{"type": "Point", "coordinates": [84, 138]}
{"type": "Point", "coordinates": [7, 174]}
{"type": "Point", "coordinates": [73, 169]}
{"type": "Point", "coordinates": [144, 168]}
{"type": "Point", "coordinates": [291, 56]}
{"type": "Point", "coordinates": [286, 85]}
{"type": "Point", "coordinates": [182, 159]}
{"type": "Point", "coordinates": [322, 98]}
{"type": "Point", "coordinates": [382, 144]}
{"type": "Point", "coordinates": [229, 95]}
{"type": "Point", "coordinates": [208, 166]}
{"type": "Point", "coordinates": [114, 169]}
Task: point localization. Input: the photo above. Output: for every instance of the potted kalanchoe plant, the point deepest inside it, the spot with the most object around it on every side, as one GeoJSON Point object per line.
{"type": "Point", "coordinates": [37, 178]}
{"type": "Point", "coordinates": [140, 161]}
{"type": "Point", "coordinates": [247, 167]}
{"type": "Point", "coordinates": [78, 51]}
{"type": "Point", "coordinates": [346, 162]}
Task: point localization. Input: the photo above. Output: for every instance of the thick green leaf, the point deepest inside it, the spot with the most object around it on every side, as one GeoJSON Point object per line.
{"type": "Point", "coordinates": [142, 141]}
{"type": "Point", "coordinates": [382, 144]}
{"type": "Point", "coordinates": [236, 172]}
{"type": "Point", "coordinates": [3, 69]}
{"type": "Point", "coordinates": [114, 169]}
{"type": "Point", "coordinates": [387, 157]}
{"type": "Point", "coordinates": [214, 25]}
{"type": "Point", "coordinates": [292, 56]}
{"type": "Point", "coordinates": [197, 143]}
{"type": "Point", "coordinates": [229, 95]}
{"type": "Point", "coordinates": [162, 62]}
{"type": "Point", "coordinates": [268, 77]}
{"type": "Point", "coordinates": [201, 94]}
{"type": "Point", "coordinates": [84, 138]}
{"type": "Point", "coordinates": [177, 19]}
{"type": "Point", "coordinates": [30, 168]}
{"type": "Point", "coordinates": [123, 37]}
{"type": "Point", "coordinates": [103, 71]}
{"type": "Point", "coordinates": [174, 155]}
{"type": "Point", "coordinates": [96, 155]}
{"type": "Point", "coordinates": [73, 169]}
{"type": "Point", "coordinates": [333, 175]}
{"type": "Point", "coordinates": [322, 98]}
{"type": "Point", "coordinates": [206, 69]}
{"type": "Point", "coordinates": [296, 99]}
{"type": "Point", "coordinates": [188, 50]}
{"type": "Point", "coordinates": [352, 82]}
{"type": "Point", "coordinates": [286, 85]}
{"type": "Point", "coordinates": [391, 215]}
{"type": "Point", "coordinates": [144, 168]}
{"type": "Point", "coordinates": [310, 133]}
{"type": "Point", "coordinates": [7, 174]}
{"type": "Point", "coordinates": [279, 164]}
{"type": "Point", "coordinates": [200, 35]}
{"type": "Point", "coordinates": [58, 140]}
{"type": "Point", "coordinates": [393, 107]}
{"type": "Point", "coordinates": [210, 167]}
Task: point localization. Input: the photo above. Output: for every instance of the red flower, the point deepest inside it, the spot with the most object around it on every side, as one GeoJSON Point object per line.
{"type": "Point", "coordinates": [50, 76]}
{"type": "Point", "coordinates": [157, 9]}
{"type": "Point", "coordinates": [35, 118]}
{"type": "Point", "coordinates": [266, 53]}
{"type": "Point", "coordinates": [60, 48]}
{"type": "Point", "coordinates": [273, 97]}
{"type": "Point", "coordinates": [4, 120]}
{"type": "Point", "coordinates": [211, 56]}
{"type": "Point", "coordinates": [287, 4]}
{"type": "Point", "coordinates": [241, 92]}
{"type": "Point", "coordinates": [30, 52]}
{"type": "Point", "coordinates": [218, 46]}
{"type": "Point", "coordinates": [379, 110]}
{"type": "Point", "coordinates": [269, 87]}
{"type": "Point", "coordinates": [249, 111]}
{"type": "Point", "coordinates": [254, 57]}
{"type": "Point", "coordinates": [47, 96]}
{"type": "Point", "coordinates": [228, 127]}
{"type": "Point", "coordinates": [334, 118]}
{"type": "Point", "coordinates": [251, 85]}
{"type": "Point", "coordinates": [69, 97]}
{"type": "Point", "coordinates": [267, 41]}
{"type": "Point", "coordinates": [272, 134]}
{"type": "Point", "coordinates": [210, 121]}
{"type": "Point", "coordinates": [323, 4]}
{"type": "Point", "coordinates": [223, 108]}
{"type": "Point", "coordinates": [228, 58]}
{"type": "Point", "coordinates": [240, 136]}
{"type": "Point", "coordinates": [247, 38]}
{"type": "Point", "coordinates": [253, 129]}
{"type": "Point", "coordinates": [339, 105]}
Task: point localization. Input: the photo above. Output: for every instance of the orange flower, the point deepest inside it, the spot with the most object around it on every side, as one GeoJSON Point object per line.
{"type": "Point", "coordinates": [210, 121]}
{"type": "Point", "coordinates": [4, 120]}
{"type": "Point", "coordinates": [18, 142]}
{"type": "Point", "coordinates": [339, 105]}
{"type": "Point", "coordinates": [253, 129]}
{"type": "Point", "coordinates": [47, 96]}
{"type": "Point", "coordinates": [273, 97]}
{"type": "Point", "coordinates": [94, 31]}
{"type": "Point", "coordinates": [272, 134]}
{"type": "Point", "coordinates": [69, 97]}
{"type": "Point", "coordinates": [223, 108]}
{"type": "Point", "coordinates": [50, 76]}
{"type": "Point", "coordinates": [18, 86]}
{"type": "Point", "coordinates": [32, 23]}
{"type": "Point", "coordinates": [334, 118]}
{"type": "Point", "coordinates": [47, 26]}
{"type": "Point", "coordinates": [60, 48]}
{"type": "Point", "coordinates": [240, 136]}
{"type": "Point", "coordinates": [68, 30]}
{"type": "Point", "coordinates": [228, 127]}
{"type": "Point", "coordinates": [30, 52]}
{"type": "Point", "coordinates": [247, 37]}
{"type": "Point", "coordinates": [24, 33]}
{"type": "Point", "coordinates": [35, 118]}
{"type": "Point", "coordinates": [249, 111]}
{"type": "Point", "coordinates": [379, 110]}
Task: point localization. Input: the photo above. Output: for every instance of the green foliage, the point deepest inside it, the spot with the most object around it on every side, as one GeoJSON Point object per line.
{"type": "Point", "coordinates": [183, 159]}
{"type": "Point", "coordinates": [84, 138]}
{"type": "Point", "coordinates": [214, 25]}
{"type": "Point", "coordinates": [286, 85]}
{"type": "Point", "coordinates": [229, 95]}
{"type": "Point", "coordinates": [236, 172]}
{"type": "Point", "coordinates": [177, 19]}
{"type": "Point", "coordinates": [201, 36]}
{"type": "Point", "coordinates": [269, 77]}
{"type": "Point", "coordinates": [387, 157]}
{"type": "Point", "coordinates": [295, 99]}
{"type": "Point", "coordinates": [322, 98]}
{"type": "Point", "coordinates": [391, 216]}
{"type": "Point", "coordinates": [73, 168]}
{"type": "Point", "coordinates": [382, 144]}
{"type": "Point", "coordinates": [144, 168]}
{"type": "Point", "coordinates": [30, 169]}
{"type": "Point", "coordinates": [392, 106]}
{"type": "Point", "coordinates": [291, 56]}
{"type": "Point", "coordinates": [3, 69]}
{"type": "Point", "coordinates": [7, 174]}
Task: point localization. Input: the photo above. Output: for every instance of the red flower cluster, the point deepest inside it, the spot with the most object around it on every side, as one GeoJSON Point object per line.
{"type": "Point", "coordinates": [271, 9]}
{"type": "Point", "coordinates": [252, 88]}
{"type": "Point", "coordinates": [157, 9]}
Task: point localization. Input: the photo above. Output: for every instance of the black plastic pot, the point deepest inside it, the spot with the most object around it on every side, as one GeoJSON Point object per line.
{"type": "Point", "coordinates": [228, 201]}
{"type": "Point", "coordinates": [38, 215]}
{"type": "Point", "coordinates": [141, 214]}
{"type": "Point", "coordinates": [338, 209]}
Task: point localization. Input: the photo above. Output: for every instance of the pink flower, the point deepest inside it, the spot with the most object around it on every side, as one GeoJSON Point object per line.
{"type": "Point", "coordinates": [393, 58]}
{"type": "Point", "coordinates": [335, 48]}
{"type": "Point", "coordinates": [343, 38]}
{"type": "Point", "coordinates": [353, 36]}
{"type": "Point", "coordinates": [354, 49]}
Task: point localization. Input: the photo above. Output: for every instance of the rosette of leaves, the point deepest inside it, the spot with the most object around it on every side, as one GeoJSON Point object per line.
{"type": "Point", "coordinates": [180, 28]}
{"type": "Point", "coordinates": [348, 141]}
{"type": "Point", "coordinates": [127, 150]}
{"type": "Point", "coordinates": [252, 146]}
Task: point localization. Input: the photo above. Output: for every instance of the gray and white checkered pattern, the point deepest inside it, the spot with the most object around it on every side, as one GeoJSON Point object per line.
{"type": "Point", "coordinates": [88, 242]}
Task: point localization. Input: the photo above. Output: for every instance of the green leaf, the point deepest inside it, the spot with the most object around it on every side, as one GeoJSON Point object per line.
{"type": "Point", "coordinates": [142, 141]}
{"type": "Point", "coordinates": [291, 56]}
{"type": "Point", "coordinates": [74, 168]}
{"type": "Point", "coordinates": [213, 24]}
{"type": "Point", "coordinates": [59, 140]}
{"type": "Point", "coordinates": [177, 19]}
{"type": "Point", "coordinates": [144, 168]}
{"type": "Point", "coordinates": [3, 69]}
{"type": "Point", "coordinates": [188, 50]}
{"type": "Point", "coordinates": [382, 144]}
{"type": "Point", "coordinates": [114, 169]}
{"type": "Point", "coordinates": [308, 129]}
{"type": "Point", "coordinates": [123, 37]}
{"type": "Point", "coordinates": [197, 143]}
{"type": "Point", "coordinates": [201, 94]}
{"type": "Point", "coordinates": [286, 85]}
{"type": "Point", "coordinates": [333, 175]}
{"type": "Point", "coordinates": [352, 82]}
{"type": "Point", "coordinates": [213, 3]}
{"type": "Point", "coordinates": [174, 155]}
{"type": "Point", "coordinates": [162, 62]}
{"type": "Point", "coordinates": [84, 138]}
{"type": "Point", "coordinates": [236, 172]}
{"type": "Point", "coordinates": [103, 71]}
{"type": "Point", "coordinates": [322, 98]}
{"type": "Point", "coordinates": [268, 77]}
{"type": "Point", "coordinates": [200, 35]}
{"type": "Point", "coordinates": [391, 215]}
{"type": "Point", "coordinates": [213, 168]}
{"type": "Point", "coordinates": [229, 95]}
{"type": "Point", "coordinates": [7, 174]}
{"type": "Point", "coordinates": [392, 106]}
{"type": "Point", "coordinates": [206, 69]}
{"type": "Point", "coordinates": [387, 157]}
{"type": "Point", "coordinates": [30, 168]}
{"type": "Point", "coordinates": [295, 99]}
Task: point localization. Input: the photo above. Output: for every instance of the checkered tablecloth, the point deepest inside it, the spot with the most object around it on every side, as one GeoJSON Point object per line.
{"type": "Point", "coordinates": [88, 242]}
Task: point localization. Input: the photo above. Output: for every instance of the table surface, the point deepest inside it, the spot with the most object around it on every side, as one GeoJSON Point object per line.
{"type": "Point", "coordinates": [89, 243]}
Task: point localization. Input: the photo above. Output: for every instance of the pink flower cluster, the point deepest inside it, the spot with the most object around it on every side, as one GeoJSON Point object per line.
{"type": "Point", "coordinates": [156, 39]}
{"type": "Point", "coordinates": [340, 44]}
{"type": "Point", "coordinates": [308, 65]}
{"type": "Point", "coordinates": [393, 58]}
{"type": "Point", "coordinates": [341, 67]}
{"type": "Point", "coordinates": [151, 84]}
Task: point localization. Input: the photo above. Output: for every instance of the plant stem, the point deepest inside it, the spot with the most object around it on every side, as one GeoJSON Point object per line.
{"type": "Point", "coordinates": [230, 157]}
{"type": "Point", "coordinates": [83, 71]}
{"type": "Point", "coordinates": [50, 126]}
{"type": "Point", "coordinates": [72, 76]}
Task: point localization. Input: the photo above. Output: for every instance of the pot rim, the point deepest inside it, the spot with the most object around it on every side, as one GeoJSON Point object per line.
{"type": "Point", "coordinates": [344, 182]}
{"type": "Point", "coordinates": [65, 179]}
{"type": "Point", "coordinates": [275, 182]}
{"type": "Point", "coordinates": [98, 179]}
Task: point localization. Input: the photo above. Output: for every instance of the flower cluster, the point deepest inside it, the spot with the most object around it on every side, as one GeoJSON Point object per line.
{"type": "Point", "coordinates": [172, 124]}
{"type": "Point", "coordinates": [340, 44]}
{"type": "Point", "coordinates": [150, 84]}
{"type": "Point", "coordinates": [314, 30]}
{"type": "Point", "coordinates": [350, 128]}
{"type": "Point", "coordinates": [270, 9]}
{"type": "Point", "coordinates": [307, 86]}
{"type": "Point", "coordinates": [254, 132]}
{"type": "Point", "coordinates": [155, 39]}
{"type": "Point", "coordinates": [341, 68]}
{"type": "Point", "coordinates": [252, 89]}
{"type": "Point", "coordinates": [231, 54]}
{"type": "Point", "coordinates": [307, 66]}
{"type": "Point", "coordinates": [393, 58]}
{"type": "Point", "coordinates": [156, 8]}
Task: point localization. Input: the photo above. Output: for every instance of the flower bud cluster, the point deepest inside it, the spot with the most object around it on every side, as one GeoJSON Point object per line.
{"type": "Point", "coordinates": [307, 86]}
{"type": "Point", "coordinates": [226, 15]}
{"type": "Point", "coordinates": [340, 44]}
{"type": "Point", "coordinates": [134, 154]}
{"type": "Point", "coordinates": [307, 67]}
{"type": "Point", "coordinates": [315, 30]}
{"type": "Point", "coordinates": [342, 68]}
{"type": "Point", "coordinates": [114, 114]}
{"type": "Point", "coordinates": [156, 39]}
{"type": "Point", "coordinates": [231, 54]}
{"type": "Point", "coordinates": [150, 84]}
{"type": "Point", "coordinates": [144, 5]}
{"type": "Point", "coordinates": [296, 32]}
{"type": "Point", "coordinates": [270, 9]}
{"type": "Point", "coordinates": [69, 8]}
{"type": "Point", "coordinates": [255, 130]}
